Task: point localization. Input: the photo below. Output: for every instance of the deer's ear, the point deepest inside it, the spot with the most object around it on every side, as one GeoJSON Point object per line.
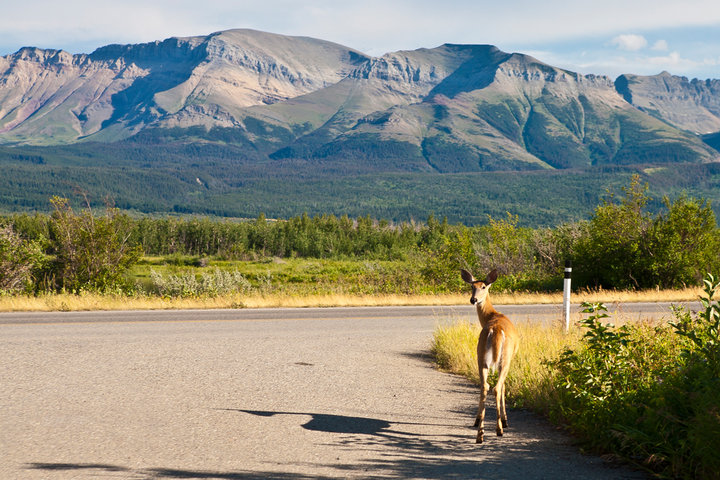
{"type": "Point", "coordinates": [491, 277]}
{"type": "Point", "coordinates": [467, 276]}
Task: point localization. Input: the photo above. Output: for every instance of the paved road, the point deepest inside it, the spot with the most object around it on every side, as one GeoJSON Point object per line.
{"type": "Point", "coordinates": [294, 393]}
{"type": "Point", "coordinates": [533, 313]}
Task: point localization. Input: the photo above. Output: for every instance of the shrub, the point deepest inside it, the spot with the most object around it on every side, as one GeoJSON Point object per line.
{"type": "Point", "coordinates": [207, 284]}
{"type": "Point", "coordinates": [625, 247]}
{"type": "Point", "coordinates": [506, 247]}
{"type": "Point", "coordinates": [455, 250]}
{"type": "Point", "coordinates": [91, 252]}
{"type": "Point", "coordinates": [647, 393]}
{"type": "Point", "coordinates": [679, 432]}
{"type": "Point", "coordinates": [615, 247]}
{"type": "Point", "coordinates": [19, 261]}
{"type": "Point", "coordinates": [600, 377]}
{"type": "Point", "coordinates": [683, 243]}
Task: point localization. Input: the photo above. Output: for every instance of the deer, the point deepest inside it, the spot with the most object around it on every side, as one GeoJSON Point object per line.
{"type": "Point", "coordinates": [497, 344]}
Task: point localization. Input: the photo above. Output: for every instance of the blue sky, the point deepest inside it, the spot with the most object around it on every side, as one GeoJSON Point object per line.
{"type": "Point", "coordinates": [606, 37]}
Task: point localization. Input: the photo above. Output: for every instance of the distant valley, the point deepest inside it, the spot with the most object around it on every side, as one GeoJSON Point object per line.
{"type": "Point", "coordinates": [241, 122]}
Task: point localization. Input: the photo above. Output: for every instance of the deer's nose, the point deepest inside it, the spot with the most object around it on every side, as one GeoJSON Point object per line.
{"type": "Point", "coordinates": [473, 300]}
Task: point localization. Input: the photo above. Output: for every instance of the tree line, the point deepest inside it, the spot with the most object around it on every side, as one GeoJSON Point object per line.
{"type": "Point", "coordinates": [622, 245]}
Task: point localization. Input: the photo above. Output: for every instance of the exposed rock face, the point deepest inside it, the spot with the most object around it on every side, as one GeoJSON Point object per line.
{"type": "Point", "coordinates": [692, 105]}
{"type": "Point", "coordinates": [54, 97]}
{"type": "Point", "coordinates": [452, 108]}
{"type": "Point", "coordinates": [476, 108]}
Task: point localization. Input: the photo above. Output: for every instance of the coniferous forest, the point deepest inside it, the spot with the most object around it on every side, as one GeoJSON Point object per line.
{"type": "Point", "coordinates": [229, 181]}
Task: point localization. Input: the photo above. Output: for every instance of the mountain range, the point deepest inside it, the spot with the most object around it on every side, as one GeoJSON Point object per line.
{"type": "Point", "coordinates": [237, 106]}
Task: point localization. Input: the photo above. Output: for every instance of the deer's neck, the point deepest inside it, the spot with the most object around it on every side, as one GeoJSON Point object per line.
{"type": "Point", "coordinates": [485, 311]}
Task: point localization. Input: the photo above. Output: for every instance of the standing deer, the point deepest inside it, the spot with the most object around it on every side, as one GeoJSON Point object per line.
{"type": "Point", "coordinates": [496, 347]}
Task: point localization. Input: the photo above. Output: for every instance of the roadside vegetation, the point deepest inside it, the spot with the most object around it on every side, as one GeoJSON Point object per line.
{"type": "Point", "coordinates": [645, 392]}
{"type": "Point", "coordinates": [338, 260]}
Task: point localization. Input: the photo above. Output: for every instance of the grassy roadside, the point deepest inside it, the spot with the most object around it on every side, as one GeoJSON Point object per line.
{"type": "Point", "coordinates": [529, 381]}
{"type": "Point", "coordinates": [645, 391]}
{"type": "Point", "coordinates": [283, 298]}
{"type": "Point", "coordinates": [185, 282]}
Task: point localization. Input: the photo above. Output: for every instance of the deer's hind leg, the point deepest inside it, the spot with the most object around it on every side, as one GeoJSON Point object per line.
{"type": "Point", "coordinates": [500, 401]}
{"type": "Point", "coordinates": [484, 371]}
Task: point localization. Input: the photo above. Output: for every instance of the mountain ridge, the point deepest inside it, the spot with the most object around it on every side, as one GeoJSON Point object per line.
{"type": "Point", "coordinates": [219, 116]}
{"type": "Point", "coordinates": [225, 79]}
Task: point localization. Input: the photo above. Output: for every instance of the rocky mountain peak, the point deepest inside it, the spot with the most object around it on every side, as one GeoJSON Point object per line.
{"type": "Point", "coordinates": [473, 103]}
{"type": "Point", "coordinates": [692, 105]}
{"type": "Point", "coordinates": [39, 56]}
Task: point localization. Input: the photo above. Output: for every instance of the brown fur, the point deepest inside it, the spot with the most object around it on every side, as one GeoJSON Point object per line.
{"type": "Point", "coordinates": [502, 347]}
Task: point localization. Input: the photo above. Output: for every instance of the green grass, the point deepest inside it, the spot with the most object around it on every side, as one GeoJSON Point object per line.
{"type": "Point", "coordinates": [294, 276]}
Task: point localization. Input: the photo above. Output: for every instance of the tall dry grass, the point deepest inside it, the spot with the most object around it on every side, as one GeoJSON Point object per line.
{"type": "Point", "coordinates": [93, 301]}
{"type": "Point", "coordinates": [529, 381]}
{"type": "Point", "coordinates": [594, 296]}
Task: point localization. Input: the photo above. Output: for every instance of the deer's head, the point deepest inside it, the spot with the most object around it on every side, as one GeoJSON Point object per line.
{"type": "Point", "coordinates": [480, 288]}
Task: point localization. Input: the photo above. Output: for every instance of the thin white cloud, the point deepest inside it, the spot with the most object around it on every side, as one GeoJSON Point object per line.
{"type": "Point", "coordinates": [660, 46]}
{"type": "Point", "coordinates": [630, 42]}
{"type": "Point", "coordinates": [672, 59]}
{"type": "Point", "coordinates": [576, 32]}
{"type": "Point", "coordinates": [676, 62]}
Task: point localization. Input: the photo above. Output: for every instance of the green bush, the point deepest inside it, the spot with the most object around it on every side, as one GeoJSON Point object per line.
{"type": "Point", "coordinates": [526, 259]}
{"type": "Point", "coordinates": [20, 260]}
{"type": "Point", "coordinates": [626, 247]}
{"type": "Point", "coordinates": [454, 250]}
{"type": "Point", "coordinates": [614, 251]}
{"type": "Point", "coordinates": [91, 252]}
{"type": "Point", "coordinates": [683, 244]}
{"type": "Point", "coordinates": [648, 393]}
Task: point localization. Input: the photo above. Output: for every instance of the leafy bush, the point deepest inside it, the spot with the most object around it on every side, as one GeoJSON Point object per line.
{"type": "Point", "coordinates": [91, 252]}
{"type": "Point", "coordinates": [649, 394]}
{"type": "Point", "coordinates": [599, 379]}
{"type": "Point", "coordinates": [625, 247]}
{"type": "Point", "coordinates": [683, 243]}
{"type": "Point", "coordinates": [455, 250]}
{"type": "Point", "coordinates": [613, 252]}
{"type": "Point", "coordinates": [19, 261]}
{"type": "Point", "coordinates": [527, 259]}
{"type": "Point", "coordinates": [507, 247]}
{"type": "Point", "coordinates": [679, 432]}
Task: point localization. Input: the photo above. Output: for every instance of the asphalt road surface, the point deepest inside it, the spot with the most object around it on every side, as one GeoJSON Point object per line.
{"type": "Point", "coordinates": [255, 394]}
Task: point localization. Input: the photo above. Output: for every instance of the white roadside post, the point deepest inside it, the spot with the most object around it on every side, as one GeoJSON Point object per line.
{"type": "Point", "coordinates": [566, 294]}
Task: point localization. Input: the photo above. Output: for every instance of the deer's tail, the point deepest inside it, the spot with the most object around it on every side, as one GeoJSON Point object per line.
{"type": "Point", "coordinates": [493, 348]}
